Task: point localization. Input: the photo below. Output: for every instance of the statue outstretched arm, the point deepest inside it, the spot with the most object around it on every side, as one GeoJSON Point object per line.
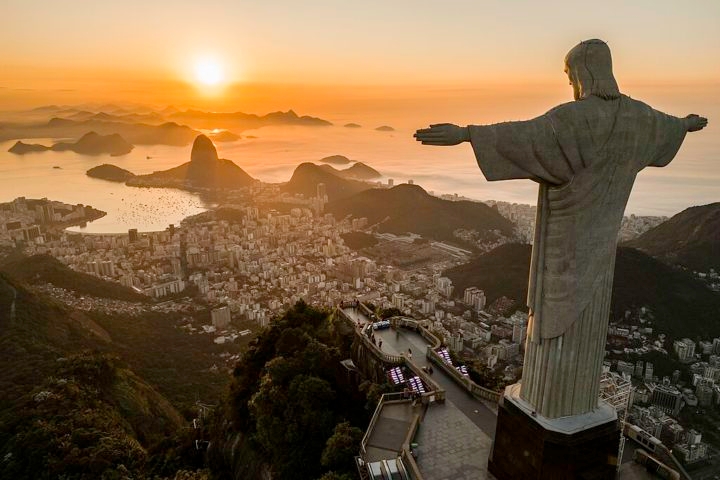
{"type": "Point", "coordinates": [443, 134]}
{"type": "Point", "coordinates": [694, 122]}
{"type": "Point", "coordinates": [509, 150]}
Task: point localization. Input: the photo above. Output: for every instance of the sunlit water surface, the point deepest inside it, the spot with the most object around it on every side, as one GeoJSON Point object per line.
{"type": "Point", "coordinates": [693, 178]}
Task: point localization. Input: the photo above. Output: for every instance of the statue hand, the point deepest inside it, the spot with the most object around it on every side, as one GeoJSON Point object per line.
{"type": "Point", "coordinates": [445, 134]}
{"type": "Point", "coordinates": [695, 122]}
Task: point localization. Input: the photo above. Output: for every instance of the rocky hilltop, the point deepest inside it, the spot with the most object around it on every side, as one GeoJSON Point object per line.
{"type": "Point", "coordinates": [306, 177]}
{"type": "Point", "coordinates": [359, 171]}
{"type": "Point", "coordinates": [409, 208]}
{"type": "Point", "coordinates": [204, 171]}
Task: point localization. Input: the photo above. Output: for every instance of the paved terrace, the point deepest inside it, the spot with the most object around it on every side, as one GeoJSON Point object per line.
{"type": "Point", "coordinates": [455, 437]}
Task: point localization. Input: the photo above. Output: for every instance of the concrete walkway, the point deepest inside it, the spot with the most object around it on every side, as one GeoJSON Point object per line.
{"type": "Point", "coordinates": [397, 342]}
{"type": "Point", "coordinates": [455, 437]}
{"type": "Point", "coordinates": [390, 431]}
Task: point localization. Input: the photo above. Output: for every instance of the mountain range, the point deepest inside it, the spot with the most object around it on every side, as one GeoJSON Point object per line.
{"type": "Point", "coordinates": [240, 120]}
{"type": "Point", "coordinates": [142, 125]}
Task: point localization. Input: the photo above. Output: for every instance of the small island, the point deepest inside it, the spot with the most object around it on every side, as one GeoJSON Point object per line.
{"type": "Point", "coordinates": [352, 125]}
{"type": "Point", "coordinates": [385, 128]}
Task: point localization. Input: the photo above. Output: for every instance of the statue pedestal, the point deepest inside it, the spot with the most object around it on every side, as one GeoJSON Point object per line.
{"type": "Point", "coordinates": [532, 447]}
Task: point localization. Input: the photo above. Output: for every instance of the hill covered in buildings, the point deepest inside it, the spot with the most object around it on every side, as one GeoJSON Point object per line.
{"type": "Point", "coordinates": [39, 269]}
{"type": "Point", "coordinates": [690, 239]}
{"type": "Point", "coordinates": [682, 305]}
{"type": "Point", "coordinates": [409, 208]}
{"type": "Point", "coordinates": [204, 170]}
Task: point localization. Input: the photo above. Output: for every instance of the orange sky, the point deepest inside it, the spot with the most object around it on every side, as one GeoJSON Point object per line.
{"type": "Point", "coordinates": [320, 56]}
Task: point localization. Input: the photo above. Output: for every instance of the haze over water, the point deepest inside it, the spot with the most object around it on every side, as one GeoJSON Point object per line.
{"type": "Point", "coordinates": [691, 179]}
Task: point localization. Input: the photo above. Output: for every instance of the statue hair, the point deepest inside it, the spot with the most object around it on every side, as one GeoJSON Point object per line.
{"type": "Point", "coordinates": [590, 65]}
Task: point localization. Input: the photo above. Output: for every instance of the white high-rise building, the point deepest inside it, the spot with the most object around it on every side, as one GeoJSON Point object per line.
{"type": "Point", "coordinates": [220, 317]}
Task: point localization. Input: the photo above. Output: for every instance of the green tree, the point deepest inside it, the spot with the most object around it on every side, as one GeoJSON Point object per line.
{"type": "Point", "coordinates": [341, 447]}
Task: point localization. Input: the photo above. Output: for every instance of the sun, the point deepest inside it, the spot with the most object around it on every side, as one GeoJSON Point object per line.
{"type": "Point", "coordinates": [209, 72]}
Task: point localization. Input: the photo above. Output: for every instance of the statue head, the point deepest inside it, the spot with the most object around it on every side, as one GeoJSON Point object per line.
{"type": "Point", "coordinates": [589, 67]}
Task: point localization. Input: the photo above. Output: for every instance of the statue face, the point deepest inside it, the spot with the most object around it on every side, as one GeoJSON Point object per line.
{"type": "Point", "coordinates": [573, 82]}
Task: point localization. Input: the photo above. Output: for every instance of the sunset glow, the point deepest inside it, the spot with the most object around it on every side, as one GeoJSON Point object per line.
{"type": "Point", "coordinates": [209, 72]}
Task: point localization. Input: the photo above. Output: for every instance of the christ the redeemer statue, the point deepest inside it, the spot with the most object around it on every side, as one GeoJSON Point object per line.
{"type": "Point", "coordinates": [584, 155]}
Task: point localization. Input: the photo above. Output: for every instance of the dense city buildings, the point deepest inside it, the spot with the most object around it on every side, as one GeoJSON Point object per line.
{"type": "Point", "coordinates": [249, 261]}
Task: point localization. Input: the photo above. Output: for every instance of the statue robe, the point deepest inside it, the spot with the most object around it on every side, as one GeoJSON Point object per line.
{"type": "Point", "coordinates": [585, 156]}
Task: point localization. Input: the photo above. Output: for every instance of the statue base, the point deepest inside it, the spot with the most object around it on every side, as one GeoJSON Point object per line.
{"type": "Point", "coordinates": [533, 447]}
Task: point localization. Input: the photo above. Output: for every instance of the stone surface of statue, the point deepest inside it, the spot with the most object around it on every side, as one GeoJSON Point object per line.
{"type": "Point", "coordinates": [585, 155]}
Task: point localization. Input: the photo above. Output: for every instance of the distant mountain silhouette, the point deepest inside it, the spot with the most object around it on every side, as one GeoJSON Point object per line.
{"type": "Point", "coordinates": [306, 177]}
{"type": "Point", "coordinates": [89, 144]}
{"type": "Point", "coordinates": [336, 160]}
{"type": "Point", "coordinates": [385, 128]}
{"type": "Point", "coordinates": [409, 208]}
{"type": "Point", "coordinates": [95, 144]}
{"type": "Point", "coordinates": [225, 136]}
{"type": "Point", "coordinates": [360, 171]}
{"type": "Point", "coordinates": [691, 239]}
{"type": "Point", "coordinates": [169, 133]}
{"type": "Point", "coordinates": [240, 120]}
{"type": "Point", "coordinates": [152, 118]}
{"type": "Point", "coordinates": [204, 170]}
{"type": "Point", "coordinates": [21, 148]}
{"type": "Point", "coordinates": [352, 125]}
{"type": "Point", "coordinates": [110, 173]}
{"type": "Point", "coordinates": [682, 305]}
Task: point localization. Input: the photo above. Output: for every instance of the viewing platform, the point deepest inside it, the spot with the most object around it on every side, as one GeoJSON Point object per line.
{"type": "Point", "coordinates": [452, 429]}
{"type": "Point", "coordinates": [444, 433]}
